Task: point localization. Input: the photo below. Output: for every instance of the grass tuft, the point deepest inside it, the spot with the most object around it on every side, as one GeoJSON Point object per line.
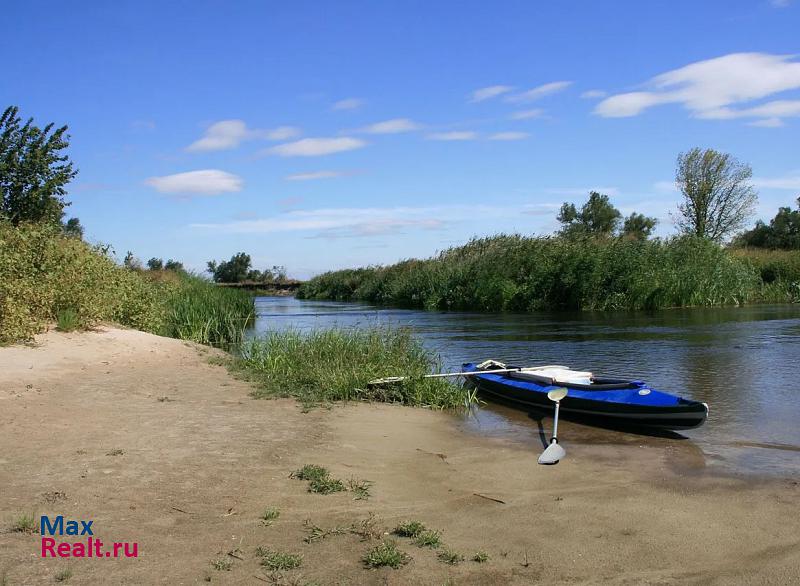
{"type": "Point", "coordinates": [67, 320]}
{"type": "Point", "coordinates": [311, 472]}
{"type": "Point", "coordinates": [63, 575]}
{"type": "Point", "coordinates": [324, 366]}
{"type": "Point", "coordinates": [480, 557]}
{"type": "Point", "coordinates": [385, 554]}
{"type": "Point", "coordinates": [368, 528]}
{"type": "Point", "coordinates": [409, 529]}
{"type": "Point", "coordinates": [276, 560]}
{"type": "Point", "coordinates": [317, 533]}
{"type": "Point", "coordinates": [428, 538]}
{"type": "Point", "coordinates": [448, 556]}
{"type": "Point", "coordinates": [359, 488]}
{"type": "Point", "coordinates": [24, 523]}
{"type": "Point", "coordinates": [326, 485]}
{"type": "Point", "coordinates": [270, 514]}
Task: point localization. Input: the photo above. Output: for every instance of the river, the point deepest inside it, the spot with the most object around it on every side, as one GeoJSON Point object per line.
{"type": "Point", "coordinates": [742, 361]}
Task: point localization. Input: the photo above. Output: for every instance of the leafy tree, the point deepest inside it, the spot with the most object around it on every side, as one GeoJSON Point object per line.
{"type": "Point", "coordinates": [638, 226]}
{"type": "Point", "coordinates": [718, 198]}
{"type": "Point", "coordinates": [33, 170]}
{"type": "Point", "coordinates": [173, 265]}
{"type": "Point", "coordinates": [73, 228]}
{"type": "Point", "coordinates": [155, 264]}
{"type": "Point", "coordinates": [131, 262]}
{"type": "Point", "coordinates": [597, 217]}
{"type": "Point", "coordinates": [783, 231]}
{"type": "Point", "coordinates": [234, 270]}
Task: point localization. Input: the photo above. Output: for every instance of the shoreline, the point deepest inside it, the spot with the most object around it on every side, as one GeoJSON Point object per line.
{"type": "Point", "coordinates": [142, 435]}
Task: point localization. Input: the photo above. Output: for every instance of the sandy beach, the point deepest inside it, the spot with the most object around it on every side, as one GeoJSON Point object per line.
{"type": "Point", "coordinates": [157, 445]}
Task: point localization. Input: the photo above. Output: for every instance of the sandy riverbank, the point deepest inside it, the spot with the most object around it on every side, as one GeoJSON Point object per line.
{"type": "Point", "coordinates": [200, 461]}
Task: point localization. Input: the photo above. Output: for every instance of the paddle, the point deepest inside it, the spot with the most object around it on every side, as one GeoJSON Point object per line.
{"type": "Point", "coordinates": [397, 379]}
{"type": "Point", "coordinates": [554, 452]}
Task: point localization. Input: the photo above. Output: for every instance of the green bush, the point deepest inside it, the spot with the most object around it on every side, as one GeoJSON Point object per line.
{"type": "Point", "coordinates": [46, 277]}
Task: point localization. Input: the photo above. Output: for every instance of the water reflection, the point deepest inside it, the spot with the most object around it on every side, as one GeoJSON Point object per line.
{"type": "Point", "coordinates": [742, 361]}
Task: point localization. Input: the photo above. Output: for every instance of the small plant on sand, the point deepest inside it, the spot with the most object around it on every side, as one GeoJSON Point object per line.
{"type": "Point", "coordinates": [269, 515]}
{"type": "Point", "coordinates": [385, 554]}
{"type": "Point", "coordinates": [222, 565]}
{"type": "Point", "coordinates": [480, 557]}
{"type": "Point", "coordinates": [63, 575]}
{"type": "Point", "coordinates": [276, 560]}
{"type": "Point", "coordinates": [409, 529]}
{"type": "Point", "coordinates": [115, 452]}
{"type": "Point", "coordinates": [448, 556]}
{"type": "Point", "coordinates": [359, 488]}
{"type": "Point", "coordinates": [310, 472]}
{"type": "Point", "coordinates": [317, 533]}
{"type": "Point", "coordinates": [24, 523]}
{"type": "Point", "coordinates": [326, 485]}
{"type": "Point", "coordinates": [67, 320]}
{"type": "Point", "coordinates": [428, 538]}
{"type": "Point", "coordinates": [368, 528]}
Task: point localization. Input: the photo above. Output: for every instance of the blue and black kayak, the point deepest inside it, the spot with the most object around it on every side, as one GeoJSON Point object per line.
{"type": "Point", "coordinates": [609, 402]}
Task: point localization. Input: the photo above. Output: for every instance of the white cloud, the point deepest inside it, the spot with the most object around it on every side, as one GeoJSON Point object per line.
{"type": "Point", "coordinates": [665, 187]}
{"type": "Point", "coordinates": [487, 93]}
{"type": "Point", "coordinates": [539, 92]}
{"type": "Point", "coordinates": [594, 94]}
{"type": "Point", "coordinates": [314, 175]}
{"type": "Point", "coordinates": [527, 114]}
{"type": "Point", "coordinates": [780, 3]}
{"type": "Point", "coordinates": [709, 88]}
{"type": "Point", "coordinates": [314, 147]}
{"type": "Point", "coordinates": [509, 135]}
{"type": "Point", "coordinates": [790, 182]}
{"type": "Point", "coordinates": [348, 104]}
{"type": "Point", "coordinates": [453, 135]}
{"type": "Point", "coordinates": [229, 134]}
{"type": "Point", "coordinates": [281, 133]}
{"type": "Point", "coordinates": [361, 222]}
{"type": "Point", "coordinates": [203, 182]}
{"type": "Point", "coordinates": [393, 126]}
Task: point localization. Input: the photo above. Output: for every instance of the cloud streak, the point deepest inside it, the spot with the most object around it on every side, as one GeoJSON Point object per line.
{"type": "Point", "coordinates": [539, 92]}
{"type": "Point", "coordinates": [348, 104]}
{"type": "Point", "coordinates": [229, 134]}
{"type": "Point", "coordinates": [204, 182]}
{"type": "Point", "coordinates": [315, 147]}
{"type": "Point", "coordinates": [487, 93]}
{"type": "Point", "coordinates": [712, 89]}
{"type": "Point", "coordinates": [315, 175]}
{"type": "Point", "coordinates": [393, 126]}
{"type": "Point", "coordinates": [454, 135]}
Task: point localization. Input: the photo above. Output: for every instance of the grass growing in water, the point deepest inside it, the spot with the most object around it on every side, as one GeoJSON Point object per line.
{"type": "Point", "coordinates": [519, 273]}
{"type": "Point", "coordinates": [385, 554]}
{"type": "Point", "coordinates": [335, 365]}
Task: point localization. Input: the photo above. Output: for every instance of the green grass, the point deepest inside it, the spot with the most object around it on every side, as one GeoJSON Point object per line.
{"type": "Point", "coordinates": [46, 277]}
{"type": "Point", "coordinates": [311, 472]}
{"type": "Point", "coordinates": [63, 575]}
{"type": "Point", "coordinates": [520, 273]}
{"type": "Point", "coordinates": [269, 515]}
{"type": "Point", "coordinates": [480, 557]}
{"type": "Point", "coordinates": [24, 523]}
{"type": "Point", "coordinates": [275, 560]}
{"type": "Point", "coordinates": [409, 529]}
{"type": "Point", "coordinates": [324, 366]}
{"type": "Point", "coordinates": [428, 538]}
{"type": "Point", "coordinates": [317, 533]}
{"type": "Point", "coordinates": [385, 554]}
{"type": "Point", "coordinates": [67, 320]}
{"type": "Point", "coordinates": [448, 556]}
{"type": "Point", "coordinates": [326, 485]}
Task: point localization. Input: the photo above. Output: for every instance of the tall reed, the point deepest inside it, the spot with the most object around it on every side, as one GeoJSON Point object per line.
{"type": "Point", "coordinates": [518, 273]}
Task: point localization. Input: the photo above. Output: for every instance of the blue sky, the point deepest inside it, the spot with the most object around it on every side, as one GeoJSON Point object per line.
{"type": "Point", "coordinates": [319, 135]}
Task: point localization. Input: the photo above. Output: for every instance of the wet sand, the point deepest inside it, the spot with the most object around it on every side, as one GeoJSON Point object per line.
{"type": "Point", "coordinates": [143, 436]}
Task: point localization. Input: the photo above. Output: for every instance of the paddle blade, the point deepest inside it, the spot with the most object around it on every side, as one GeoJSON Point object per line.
{"type": "Point", "coordinates": [552, 454]}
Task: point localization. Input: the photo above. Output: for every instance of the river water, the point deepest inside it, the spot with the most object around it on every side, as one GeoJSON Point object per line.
{"type": "Point", "coordinates": [744, 362]}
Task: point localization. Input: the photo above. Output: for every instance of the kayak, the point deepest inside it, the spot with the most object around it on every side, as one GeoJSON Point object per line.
{"type": "Point", "coordinates": [608, 401]}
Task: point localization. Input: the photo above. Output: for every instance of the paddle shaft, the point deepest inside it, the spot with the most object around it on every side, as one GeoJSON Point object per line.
{"type": "Point", "coordinates": [555, 424]}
